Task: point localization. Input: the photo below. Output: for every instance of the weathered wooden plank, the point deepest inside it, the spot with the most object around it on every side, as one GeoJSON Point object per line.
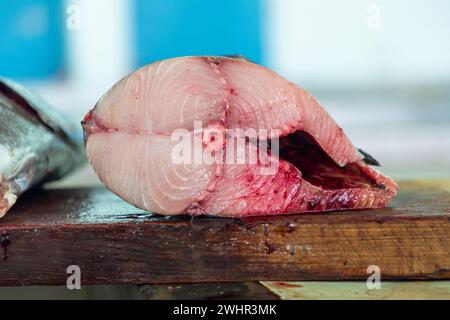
{"type": "Point", "coordinates": [355, 290]}
{"type": "Point", "coordinates": [209, 291]}
{"type": "Point", "coordinates": [113, 242]}
{"type": "Point", "coordinates": [94, 292]}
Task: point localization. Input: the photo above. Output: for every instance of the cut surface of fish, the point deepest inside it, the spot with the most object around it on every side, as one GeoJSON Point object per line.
{"type": "Point", "coordinates": [271, 147]}
{"type": "Point", "coordinates": [36, 143]}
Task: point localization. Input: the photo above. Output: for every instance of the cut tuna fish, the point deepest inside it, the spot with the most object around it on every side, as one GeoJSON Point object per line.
{"type": "Point", "coordinates": [130, 142]}
{"type": "Point", "coordinates": [36, 143]}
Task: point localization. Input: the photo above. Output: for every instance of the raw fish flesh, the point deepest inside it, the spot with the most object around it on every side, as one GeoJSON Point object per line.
{"type": "Point", "coordinates": [132, 133]}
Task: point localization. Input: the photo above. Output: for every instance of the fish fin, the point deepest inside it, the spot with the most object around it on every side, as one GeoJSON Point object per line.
{"type": "Point", "coordinates": [368, 159]}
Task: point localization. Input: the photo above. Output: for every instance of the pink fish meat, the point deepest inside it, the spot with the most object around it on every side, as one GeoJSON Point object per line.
{"type": "Point", "coordinates": [134, 132]}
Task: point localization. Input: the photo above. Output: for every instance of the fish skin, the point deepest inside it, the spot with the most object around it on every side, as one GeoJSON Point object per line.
{"type": "Point", "coordinates": [231, 93]}
{"type": "Point", "coordinates": [37, 144]}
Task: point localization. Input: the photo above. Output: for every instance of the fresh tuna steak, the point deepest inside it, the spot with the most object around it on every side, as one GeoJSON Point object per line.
{"type": "Point", "coordinates": [36, 143]}
{"type": "Point", "coordinates": [229, 110]}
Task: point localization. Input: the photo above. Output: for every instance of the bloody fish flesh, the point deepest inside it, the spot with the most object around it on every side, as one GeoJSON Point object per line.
{"type": "Point", "coordinates": [130, 143]}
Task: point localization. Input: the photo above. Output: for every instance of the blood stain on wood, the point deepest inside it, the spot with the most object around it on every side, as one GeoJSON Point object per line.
{"type": "Point", "coordinates": [5, 242]}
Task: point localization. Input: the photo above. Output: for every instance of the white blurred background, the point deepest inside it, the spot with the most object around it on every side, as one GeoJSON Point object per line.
{"type": "Point", "coordinates": [381, 68]}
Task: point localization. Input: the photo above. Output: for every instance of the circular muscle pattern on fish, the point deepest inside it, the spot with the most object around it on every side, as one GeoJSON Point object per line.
{"type": "Point", "coordinates": [131, 146]}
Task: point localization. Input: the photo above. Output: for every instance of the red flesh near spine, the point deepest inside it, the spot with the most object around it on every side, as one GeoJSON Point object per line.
{"type": "Point", "coordinates": [312, 176]}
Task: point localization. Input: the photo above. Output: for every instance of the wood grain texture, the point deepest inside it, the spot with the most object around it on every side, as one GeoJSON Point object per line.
{"type": "Point", "coordinates": [115, 243]}
{"type": "Point", "coordinates": [209, 291]}
{"type": "Point", "coordinates": [355, 290]}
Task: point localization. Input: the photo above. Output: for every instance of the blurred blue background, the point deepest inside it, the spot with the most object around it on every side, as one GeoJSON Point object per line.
{"type": "Point", "coordinates": [197, 27]}
{"type": "Point", "coordinates": [380, 67]}
{"type": "Point", "coordinates": [318, 43]}
{"type": "Point", "coordinates": [31, 38]}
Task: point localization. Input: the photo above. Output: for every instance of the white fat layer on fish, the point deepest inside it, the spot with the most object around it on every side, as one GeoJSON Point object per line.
{"type": "Point", "coordinates": [10, 197]}
{"type": "Point", "coordinates": [10, 201]}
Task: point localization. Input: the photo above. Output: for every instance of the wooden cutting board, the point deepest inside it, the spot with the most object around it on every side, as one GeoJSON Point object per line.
{"type": "Point", "coordinates": [113, 242]}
